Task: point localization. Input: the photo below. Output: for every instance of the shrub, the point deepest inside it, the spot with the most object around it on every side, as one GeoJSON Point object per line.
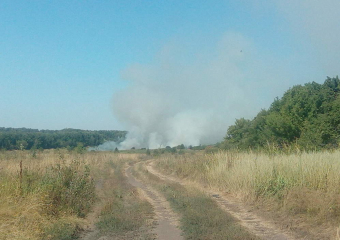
{"type": "Point", "coordinates": [69, 188]}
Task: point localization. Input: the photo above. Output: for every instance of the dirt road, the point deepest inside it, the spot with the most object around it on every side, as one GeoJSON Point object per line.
{"type": "Point", "coordinates": [167, 220]}
{"type": "Point", "coordinates": [258, 226]}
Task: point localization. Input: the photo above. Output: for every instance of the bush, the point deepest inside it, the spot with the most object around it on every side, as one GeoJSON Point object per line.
{"type": "Point", "coordinates": [211, 149]}
{"type": "Point", "coordinates": [69, 188]}
{"type": "Point", "coordinates": [61, 230]}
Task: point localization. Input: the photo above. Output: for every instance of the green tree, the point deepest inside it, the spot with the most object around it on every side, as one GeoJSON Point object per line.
{"type": "Point", "coordinates": [308, 115]}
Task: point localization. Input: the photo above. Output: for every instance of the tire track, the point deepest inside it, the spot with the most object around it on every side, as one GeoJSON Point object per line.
{"type": "Point", "coordinates": [167, 227]}
{"type": "Point", "coordinates": [258, 226]}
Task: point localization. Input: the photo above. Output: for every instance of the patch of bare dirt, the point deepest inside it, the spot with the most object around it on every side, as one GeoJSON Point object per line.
{"type": "Point", "coordinates": [167, 220]}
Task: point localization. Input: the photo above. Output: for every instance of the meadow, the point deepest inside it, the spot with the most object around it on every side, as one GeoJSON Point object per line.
{"type": "Point", "coordinates": [49, 195]}
{"type": "Point", "coordinates": [61, 194]}
{"type": "Point", "coordinates": [299, 185]}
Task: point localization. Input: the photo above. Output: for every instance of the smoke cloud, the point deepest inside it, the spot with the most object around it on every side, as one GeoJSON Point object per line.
{"type": "Point", "coordinates": [106, 146]}
{"type": "Point", "coordinates": [316, 23]}
{"type": "Point", "coordinates": [191, 99]}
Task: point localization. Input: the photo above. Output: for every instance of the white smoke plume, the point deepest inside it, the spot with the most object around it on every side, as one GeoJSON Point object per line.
{"type": "Point", "coordinates": [317, 23]}
{"type": "Point", "coordinates": [191, 100]}
{"type": "Point", "coordinates": [106, 146]}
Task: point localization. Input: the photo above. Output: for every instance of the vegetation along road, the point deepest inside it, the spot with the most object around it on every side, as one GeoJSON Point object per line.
{"type": "Point", "coordinates": [62, 194]}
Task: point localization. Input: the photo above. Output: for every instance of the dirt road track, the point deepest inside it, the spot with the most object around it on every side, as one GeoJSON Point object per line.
{"type": "Point", "coordinates": [256, 225]}
{"type": "Point", "coordinates": [167, 220]}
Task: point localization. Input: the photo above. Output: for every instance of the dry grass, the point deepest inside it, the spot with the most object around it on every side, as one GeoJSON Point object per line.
{"type": "Point", "coordinates": [33, 198]}
{"type": "Point", "coordinates": [307, 184]}
{"type": "Point", "coordinates": [200, 216]}
{"type": "Point", "coordinates": [125, 213]}
{"type": "Point", "coordinates": [53, 193]}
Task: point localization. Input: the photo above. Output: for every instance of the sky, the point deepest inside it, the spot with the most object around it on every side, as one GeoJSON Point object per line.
{"type": "Point", "coordinates": [156, 67]}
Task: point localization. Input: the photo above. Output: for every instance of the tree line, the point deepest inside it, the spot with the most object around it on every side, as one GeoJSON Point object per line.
{"type": "Point", "coordinates": [307, 115]}
{"type": "Point", "coordinates": [26, 138]}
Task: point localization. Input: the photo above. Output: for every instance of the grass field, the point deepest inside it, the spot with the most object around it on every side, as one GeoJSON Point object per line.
{"type": "Point", "coordinates": [43, 195]}
{"type": "Point", "coordinates": [200, 216]}
{"type": "Point", "coordinates": [49, 194]}
{"type": "Point", "coordinates": [304, 184]}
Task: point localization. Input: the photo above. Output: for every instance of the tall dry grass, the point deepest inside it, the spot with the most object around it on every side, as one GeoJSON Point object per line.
{"type": "Point", "coordinates": [300, 183]}
{"type": "Point", "coordinates": [51, 194]}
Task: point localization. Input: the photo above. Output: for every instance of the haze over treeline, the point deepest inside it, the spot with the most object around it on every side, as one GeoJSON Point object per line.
{"type": "Point", "coordinates": [176, 72]}
{"type": "Point", "coordinates": [26, 138]}
{"type": "Point", "coordinates": [190, 95]}
{"type": "Point", "coordinates": [184, 99]}
{"type": "Point", "coordinates": [307, 116]}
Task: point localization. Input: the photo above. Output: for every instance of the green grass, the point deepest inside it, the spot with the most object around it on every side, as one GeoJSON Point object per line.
{"type": "Point", "coordinates": [61, 230]}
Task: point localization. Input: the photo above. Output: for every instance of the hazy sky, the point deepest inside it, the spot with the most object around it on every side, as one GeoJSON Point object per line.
{"type": "Point", "coordinates": [85, 64]}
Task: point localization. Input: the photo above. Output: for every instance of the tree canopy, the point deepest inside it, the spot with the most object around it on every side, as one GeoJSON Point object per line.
{"type": "Point", "coordinates": [307, 115]}
{"type": "Point", "coordinates": [26, 138]}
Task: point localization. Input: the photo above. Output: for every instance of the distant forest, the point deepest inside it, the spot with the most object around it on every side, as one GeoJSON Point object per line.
{"type": "Point", "coordinates": [308, 116]}
{"type": "Point", "coordinates": [25, 138]}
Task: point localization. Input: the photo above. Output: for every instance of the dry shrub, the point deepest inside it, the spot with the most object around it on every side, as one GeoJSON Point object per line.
{"type": "Point", "coordinates": [317, 204]}
{"type": "Point", "coordinates": [303, 200]}
{"type": "Point", "coordinates": [51, 196]}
